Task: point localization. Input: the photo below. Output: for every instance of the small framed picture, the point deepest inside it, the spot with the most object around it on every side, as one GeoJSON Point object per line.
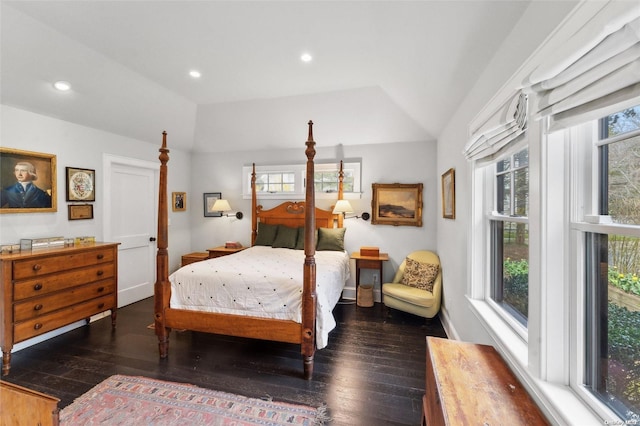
{"type": "Point", "coordinates": [80, 211]}
{"type": "Point", "coordinates": [449, 194]}
{"type": "Point", "coordinates": [28, 181]}
{"type": "Point", "coordinates": [179, 201]}
{"type": "Point", "coordinates": [209, 200]}
{"type": "Point", "coordinates": [397, 204]}
{"type": "Point", "coordinates": [81, 184]}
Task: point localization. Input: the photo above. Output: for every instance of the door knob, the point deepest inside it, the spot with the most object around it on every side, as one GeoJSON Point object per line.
{"type": "Point", "coordinates": [152, 239]}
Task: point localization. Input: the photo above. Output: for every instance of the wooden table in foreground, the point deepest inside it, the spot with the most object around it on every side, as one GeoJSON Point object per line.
{"type": "Point", "coordinates": [22, 406]}
{"type": "Point", "coordinates": [470, 384]}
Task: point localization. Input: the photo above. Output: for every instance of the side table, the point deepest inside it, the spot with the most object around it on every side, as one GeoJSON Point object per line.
{"type": "Point", "coordinates": [194, 257]}
{"type": "Point", "coordinates": [368, 262]}
{"type": "Point", "coordinates": [223, 251]}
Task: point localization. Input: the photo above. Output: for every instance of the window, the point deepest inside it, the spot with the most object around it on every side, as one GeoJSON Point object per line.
{"type": "Point", "coordinates": [510, 236]}
{"type": "Point", "coordinates": [612, 268]}
{"type": "Point", "coordinates": [287, 182]}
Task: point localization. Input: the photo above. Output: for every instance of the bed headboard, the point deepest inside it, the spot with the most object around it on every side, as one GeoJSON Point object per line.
{"type": "Point", "coordinates": [291, 213]}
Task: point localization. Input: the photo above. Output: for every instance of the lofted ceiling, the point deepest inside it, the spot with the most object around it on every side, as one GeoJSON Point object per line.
{"type": "Point", "coordinates": [382, 71]}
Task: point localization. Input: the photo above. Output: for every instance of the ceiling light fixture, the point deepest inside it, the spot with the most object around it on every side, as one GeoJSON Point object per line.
{"type": "Point", "coordinates": [62, 86]}
{"type": "Point", "coordinates": [195, 74]}
{"type": "Point", "coordinates": [306, 57]}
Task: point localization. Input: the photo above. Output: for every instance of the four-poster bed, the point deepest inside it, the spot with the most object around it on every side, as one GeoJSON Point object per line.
{"type": "Point", "coordinates": [303, 312]}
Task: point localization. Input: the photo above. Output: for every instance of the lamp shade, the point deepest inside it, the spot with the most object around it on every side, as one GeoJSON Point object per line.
{"type": "Point", "coordinates": [221, 206]}
{"type": "Point", "coordinates": [342, 206]}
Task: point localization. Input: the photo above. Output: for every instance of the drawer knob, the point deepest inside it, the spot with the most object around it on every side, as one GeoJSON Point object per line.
{"type": "Point", "coordinates": [37, 326]}
{"type": "Point", "coordinates": [100, 256]}
{"type": "Point", "coordinates": [37, 287]}
{"type": "Point", "coordinates": [37, 267]}
{"type": "Point", "coordinates": [100, 306]}
{"type": "Point", "coordinates": [100, 272]}
{"type": "Point", "coordinates": [37, 307]}
{"type": "Point", "coordinates": [100, 289]}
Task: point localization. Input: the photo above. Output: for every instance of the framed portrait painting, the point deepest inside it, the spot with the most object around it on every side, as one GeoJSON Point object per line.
{"type": "Point", "coordinates": [397, 204]}
{"type": "Point", "coordinates": [27, 181]}
{"type": "Point", "coordinates": [449, 194]}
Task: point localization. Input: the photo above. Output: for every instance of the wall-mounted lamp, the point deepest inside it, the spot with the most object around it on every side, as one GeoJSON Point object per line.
{"type": "Point", "coordinates": [223, 206]}
{"type": "Point", "coordinates": [344, 207]}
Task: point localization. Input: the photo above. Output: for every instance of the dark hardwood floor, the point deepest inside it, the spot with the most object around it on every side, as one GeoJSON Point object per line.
{"type": "Point", "coordinates": [372, 372]}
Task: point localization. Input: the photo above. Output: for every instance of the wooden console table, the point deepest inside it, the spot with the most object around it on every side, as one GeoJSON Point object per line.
{"type": "Point", "coordinates": [469, 384]}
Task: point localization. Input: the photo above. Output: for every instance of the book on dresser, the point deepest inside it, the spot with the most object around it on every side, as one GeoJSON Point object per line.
{"type": "Point", "coordinates": [49, 288]}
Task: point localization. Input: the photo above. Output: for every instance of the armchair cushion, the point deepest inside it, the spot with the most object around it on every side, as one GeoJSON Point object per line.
{"type": "Point", "coordinates": [420, 275]}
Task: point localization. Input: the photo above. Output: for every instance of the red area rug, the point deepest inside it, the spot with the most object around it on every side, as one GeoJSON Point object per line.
{"type": "Point", "coordinates": [126, 400]}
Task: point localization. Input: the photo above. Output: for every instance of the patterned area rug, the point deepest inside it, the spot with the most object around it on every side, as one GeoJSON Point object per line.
{"type": "Point", "coordinates": [126, 400]}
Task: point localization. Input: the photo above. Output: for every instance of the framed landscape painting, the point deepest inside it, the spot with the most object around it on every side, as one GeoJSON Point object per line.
{"type": "Point", "coordinates": [449, 194]}
{"type": "Point", "coordinates": [27, 181]}
{"type": "Point", "coordinates": [397, 204]}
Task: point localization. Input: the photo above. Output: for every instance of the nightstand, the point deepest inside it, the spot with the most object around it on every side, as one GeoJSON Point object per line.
{"type": "Point", "coordinates": [223, 251]}
{"type": "Point", "coordinates": [194, 257]}
{"type": "Point", "coordinates": [368, 262]}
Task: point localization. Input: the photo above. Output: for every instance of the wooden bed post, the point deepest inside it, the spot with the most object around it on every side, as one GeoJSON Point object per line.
{"type": "Point", "coordinates": [341, 192]}
{"type": "Point", "coordinates": [254, 206]}
{"type": "Point", "coordinates": [309, 275]}
{"type": "Point", "coordinates": [162, 289]}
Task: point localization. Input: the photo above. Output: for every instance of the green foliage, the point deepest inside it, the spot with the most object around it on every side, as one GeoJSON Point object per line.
{"type": "Point", "coordinates": [629, 283]}
{"type": "Point", "coordinates": [624, 347]}
{"type": "Point", "coordinates": [516, 284]}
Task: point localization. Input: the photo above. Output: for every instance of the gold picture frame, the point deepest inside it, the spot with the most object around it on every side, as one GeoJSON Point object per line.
{"type": "Point", "coordinates": [397, 204]}
{"type": "Point", "coordinates": [449, 194]}
{"type": "Point", "coordinates": [179, 201]}
{"type": "Point", "coordinates": [41, 170]}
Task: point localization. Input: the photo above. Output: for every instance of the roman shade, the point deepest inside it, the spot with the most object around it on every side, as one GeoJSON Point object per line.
{"type": "Point", "coordinates": [504, 126]}
{"type": "Point", "coordinates": [596, 72]}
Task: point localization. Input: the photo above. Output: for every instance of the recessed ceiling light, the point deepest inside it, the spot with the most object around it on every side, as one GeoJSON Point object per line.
{"type": "Point", "coordinates": [62, 86]}
{"type": "Point", "coordinates": [195, 73]}
{"type": "Point", "coordinates": [306, 57]}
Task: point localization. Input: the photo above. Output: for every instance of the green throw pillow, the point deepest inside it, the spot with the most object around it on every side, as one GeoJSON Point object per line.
{"type": "Point", "coordinates": [286, 237]}
{"type": "Point", "coordinates": [266, 234]}
{"type": "Point", "coordinates": [331, 239]}
{"type": "Point", "coordinates": [300, 242]}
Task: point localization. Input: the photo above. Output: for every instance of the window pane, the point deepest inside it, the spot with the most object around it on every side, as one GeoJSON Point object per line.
{"type": "Point", "coordinates": [613, 369]}
{"type": "Point", "coordinates": [521, 159]}
{"type": "Point", "coordinates": [511, 270]}
{"type": "Point", "coordinates": [521, 192]}
{"type": "Point", "coordinates": [622, 122]}
{"type": "Point", "coordinates": [503, 194]}
{"type": "Point", "coordinates": [623, 164]}
{"type": "Point", "coordinates": [504, 165]}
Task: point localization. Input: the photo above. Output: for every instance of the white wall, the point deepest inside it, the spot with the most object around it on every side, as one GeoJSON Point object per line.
{"type": "Point", "coordinates": [452, 241]}
{"type": "Point", "coordinates": [381, 163]}
{"type": "Point", "coordinates": [79, 146]}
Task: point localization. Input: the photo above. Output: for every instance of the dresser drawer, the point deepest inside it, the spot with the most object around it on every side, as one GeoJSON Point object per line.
{"type": "Point", "coordinates": [40, 286]}
{"type": "Point", "coordinates": [36, 326]}
{"type": "Point", "coordinates": [46, 265]}
{"type": "Point", "coordinates": [38, 306]}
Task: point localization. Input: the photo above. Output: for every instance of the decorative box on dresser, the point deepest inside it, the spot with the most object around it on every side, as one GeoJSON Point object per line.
{"type": "Point", "coordinates": [46, 289]}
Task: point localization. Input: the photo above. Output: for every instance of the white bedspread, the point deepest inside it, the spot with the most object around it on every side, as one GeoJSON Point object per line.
{"type": "Point", "coordinates": [262, 282]}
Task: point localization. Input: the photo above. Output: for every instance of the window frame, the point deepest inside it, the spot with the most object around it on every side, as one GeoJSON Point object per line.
{"type": "Point", "coordinates": [300, 174]}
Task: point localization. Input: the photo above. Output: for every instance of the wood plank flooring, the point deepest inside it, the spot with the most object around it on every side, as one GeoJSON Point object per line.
{"type": "Point", "coordinates": [372, 372]}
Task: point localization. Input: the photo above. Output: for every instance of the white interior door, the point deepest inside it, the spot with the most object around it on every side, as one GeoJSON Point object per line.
{"type": "Point", "coordinates": [131, 211]}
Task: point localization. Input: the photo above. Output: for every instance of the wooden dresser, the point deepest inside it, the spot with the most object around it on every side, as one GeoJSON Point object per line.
{"type": "Point", "coordinates": [46, 289]}
{"type": "Point", "coordinates": [470, 384]}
